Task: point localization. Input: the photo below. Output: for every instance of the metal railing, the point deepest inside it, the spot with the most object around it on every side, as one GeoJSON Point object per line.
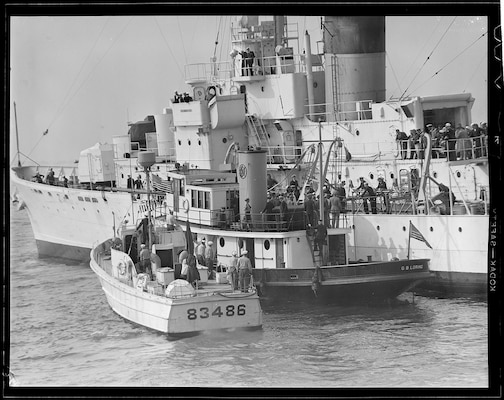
{"type": "Point", "coordinates": [453, 149]}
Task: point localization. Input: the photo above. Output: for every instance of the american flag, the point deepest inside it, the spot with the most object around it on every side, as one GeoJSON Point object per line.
{"type": "Point", "coordinates": [161, 185]}
{"type": "Point", "coordinates": [415, 234]}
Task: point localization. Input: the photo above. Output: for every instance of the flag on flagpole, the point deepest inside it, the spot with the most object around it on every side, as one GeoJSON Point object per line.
{"type": "Point", "coordinates": [415, 234]}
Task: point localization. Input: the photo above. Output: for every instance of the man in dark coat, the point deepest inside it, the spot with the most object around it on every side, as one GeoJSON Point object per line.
{"type": "Point", "coordinates": [320, 236]}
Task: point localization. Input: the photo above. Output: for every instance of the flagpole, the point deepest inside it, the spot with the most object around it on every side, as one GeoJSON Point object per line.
{"type": "Point", "coordinates": [409, 239]}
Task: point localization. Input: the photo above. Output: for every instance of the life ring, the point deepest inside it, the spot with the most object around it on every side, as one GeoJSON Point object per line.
{"type": "Point", "coordinates": [185, 205]}
{"type": "Point", "coordinates": [121, 267]}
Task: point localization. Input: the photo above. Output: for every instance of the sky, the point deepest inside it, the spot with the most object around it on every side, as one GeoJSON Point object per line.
{"type": "Point", "coordinates": [84, 78]}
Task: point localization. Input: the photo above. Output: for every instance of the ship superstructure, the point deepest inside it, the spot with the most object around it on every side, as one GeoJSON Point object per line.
{"type": "Point", "coordinates": [307, 111]}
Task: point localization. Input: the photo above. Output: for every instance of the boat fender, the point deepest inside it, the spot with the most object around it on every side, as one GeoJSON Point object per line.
{"type": "Point", "coordinates": [185, 205]}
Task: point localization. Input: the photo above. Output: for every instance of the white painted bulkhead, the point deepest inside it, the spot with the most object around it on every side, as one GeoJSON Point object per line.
{"type": "Point", "coordinates": [459, 242]}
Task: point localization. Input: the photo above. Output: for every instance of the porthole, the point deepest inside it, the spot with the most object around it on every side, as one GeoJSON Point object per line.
{"type": "Point", "coordinates": [431, 229]}
{"type": "Point", "coordinates": [434, 174]}
{"type": "Point", "coordinates": [199, 142]}
{"type": "Point", "coordinates": [392, 175]}
{"type": "Point", "coordinates": [459, 174]}
{"type": "Point", "coordinates": [180, 142]}
{"type": "Point", "coordinates": [378, 228]}
{"type": "Point", "coordinates": [222, 242]}
{"type": "Point", "coordinates": [224, 140]}
{"type": "Point", "coordinates": [357, 132]}
{"type": "Point", "coordinates": [404, 228]}
{"type": "Point", "coordinates": [189, 142]}
{"type": "Point", "coordinates": [460, 229]}
{"type": "Point", "coordinates": [267, 244]}
{"type": "Point", "coordinates": [371, 176]}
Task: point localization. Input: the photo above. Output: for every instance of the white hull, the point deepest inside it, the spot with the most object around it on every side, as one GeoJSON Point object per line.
{"type": "Point", "coordinates": [56, 211]}
{"type": "Point", "coordinates": [179, 315]}
{"type": "Point", "coordinates": [459, 243]}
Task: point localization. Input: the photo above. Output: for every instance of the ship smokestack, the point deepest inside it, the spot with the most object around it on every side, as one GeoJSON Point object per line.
{"type": "Point", "coordinates": [354, 50]}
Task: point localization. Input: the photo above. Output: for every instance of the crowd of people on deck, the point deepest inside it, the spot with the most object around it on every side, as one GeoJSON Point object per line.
{"type": "Point", "coordinates": [460, 143]}
{"type": "Point", "coordinates": [239, 270]}
{"type": "Point", "coordinates": [51, 179]}
{"type": "Point", "coordinates": [182, 98]}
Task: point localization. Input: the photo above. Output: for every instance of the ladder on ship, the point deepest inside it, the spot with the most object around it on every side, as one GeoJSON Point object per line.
{"type": "Point", "coordinates": [317, 255]}
{"type": "Point", "coordinates": [335, 85]}
{"type": "Point", "coordinates": [258, 131]}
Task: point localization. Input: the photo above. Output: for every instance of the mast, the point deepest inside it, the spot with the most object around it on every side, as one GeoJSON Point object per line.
{"type": "Point", "coordinates": [17, 136]}
{"type": "Point", "coordinates": [147, 159]}
{"type": "Point", "coordinates": [321, 176]}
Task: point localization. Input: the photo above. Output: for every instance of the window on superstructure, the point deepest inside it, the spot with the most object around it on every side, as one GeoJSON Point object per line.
{"type": "Point", "coordinates": [94, 200]}
{"type": "Point", "coordinates": [80, 198]}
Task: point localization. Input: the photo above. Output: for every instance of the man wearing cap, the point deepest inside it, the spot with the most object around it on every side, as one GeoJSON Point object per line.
{"type": "Point", "coordinates": [144, 259]}
{"type": "Point", "coordinates": [209, 260]}
{"type": "Point", "coordinates": [200, 252]}
{"type": "Point", "coordinates": [244, 271]}
{"type": "Point", "coordinates": [320, 236]}
{"type": "Point", "coordinates": [309, 207]}
{"type": "Point", "coordinates": [402, 140]}
{"type": "Point", "coordinates": [248, 214]}
{"type": "Point", "coordinates": [284, 209]}
{"type": "Point", "coordinates": [449, 137]}
{"type": "Point", "coordinates": [232, 272]}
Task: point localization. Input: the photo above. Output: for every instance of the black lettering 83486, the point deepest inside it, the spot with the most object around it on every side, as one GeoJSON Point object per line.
{"type": "Point", "coordinates": [204, 312]}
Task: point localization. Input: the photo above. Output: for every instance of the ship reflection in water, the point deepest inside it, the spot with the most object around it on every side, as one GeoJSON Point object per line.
{"type": "Point", "coordinates": [63, 333]}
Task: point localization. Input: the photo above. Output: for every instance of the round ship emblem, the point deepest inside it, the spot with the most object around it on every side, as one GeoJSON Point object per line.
{"type": "Point", "coordinates": [242, 171]}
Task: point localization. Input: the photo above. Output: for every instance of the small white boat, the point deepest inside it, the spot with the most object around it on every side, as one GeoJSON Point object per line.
{"type": "Point", "coordinates": [169, 305]}
{"type": "Point", "coordinates": [154, 298]}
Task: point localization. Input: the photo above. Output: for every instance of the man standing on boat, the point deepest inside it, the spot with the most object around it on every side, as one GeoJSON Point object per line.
{"type": "Point", "coordinates": [248, 214]}
{"type": "Point", "coordinates": [209, 260]}
{"type": "Point", "coordinates": [170, 221]}
{"type": "Point", "coordinates": [309, 207]}
{"type": "Point", "coordinates": [320, 236]}
{"type": "Point", "coordinates": [402, 140]}
{"type": "Point", "coordinates": [130, 182]}
{"type": "Point", "coordinates": [232, 272]}
{"type": "Point", "coordinates": [144, 259]}
{"type": "Point", "coordinates": [244, 271]}
{"type": "Point", "coordinates": [200, 252]}
{"type": "Point", "coordinates": [335, 209]}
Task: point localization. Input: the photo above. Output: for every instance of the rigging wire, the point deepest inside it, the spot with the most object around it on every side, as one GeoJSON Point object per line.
{"type": "Point", "coordinates": [217, 37]}
{"type": "Point", "coordinates": [474, 73]}
{"type": "Point", "coordinates": [393, 73]}
{"type": "Point", "coordinates": [181, 39]}
{"type": "Point", "coordinates": [175, 59]}
{"type": "Point", "coordinates": [453, 59]}
{"type": "Point", "coordinates": [83, 82]}
{"type": "Point", "coordinates": [428, 58]}
{"type": "Point", "coordinates": [418, 55]}
{"type": "Point", "coordinates": [80, 70]}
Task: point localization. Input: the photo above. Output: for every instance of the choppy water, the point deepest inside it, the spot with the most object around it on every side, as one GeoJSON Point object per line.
{"type": "Point", "coordinates": [63, 333]}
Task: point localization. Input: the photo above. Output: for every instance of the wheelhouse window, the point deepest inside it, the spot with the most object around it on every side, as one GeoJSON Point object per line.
{"type": "Point", "coordinates": [200, 199]}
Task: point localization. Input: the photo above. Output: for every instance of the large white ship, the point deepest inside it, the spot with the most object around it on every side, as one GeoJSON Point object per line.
{"type": "Point", "coordinates": [288, 103]}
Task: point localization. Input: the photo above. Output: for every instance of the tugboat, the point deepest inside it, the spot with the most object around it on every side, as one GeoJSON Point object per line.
{"type": "Point", "coordinates": [154, 298]}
